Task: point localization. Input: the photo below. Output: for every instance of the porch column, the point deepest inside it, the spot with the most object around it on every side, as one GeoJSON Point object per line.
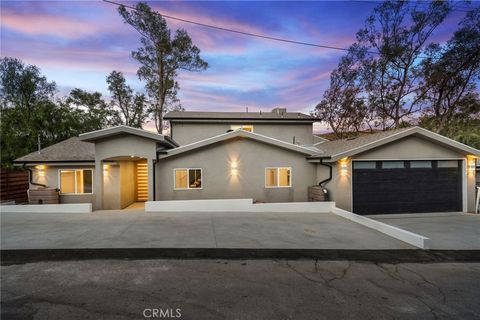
{"type": "Point", "coordinates": [98, 187]}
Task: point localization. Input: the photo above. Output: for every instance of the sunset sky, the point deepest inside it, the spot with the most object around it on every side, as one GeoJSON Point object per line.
{"type": "Point", "coordinates": [77, 43]}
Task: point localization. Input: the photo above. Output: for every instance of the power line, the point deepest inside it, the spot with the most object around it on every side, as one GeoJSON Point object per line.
{"type": "Point", "coordinates": [242, 32]}
{"type": "Point", "coordinates": [248, 33]}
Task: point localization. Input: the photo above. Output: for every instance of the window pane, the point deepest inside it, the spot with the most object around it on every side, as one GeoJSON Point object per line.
{"type": "Point", "coordinates": [79, 174]}
{"type": "Point", "coordinates": [195, 178]}
{"type": "Point", "coordinates": [67, 181]}
{"type": "Point", "coordinates": [284, 177]}
{"type": "Point", "coordinates": [448, 164]}
{"type": "Point", "coordinates": [271, 177]}
{"type": "Point", "coordinates": [87, 181]}
{"type": "Point", "coordinates": [393, 164]}
{"type": "Point", "coordinates": [420, 164]}
{"type": "Point", "coordinates": [180, 179]}
{"type": "Point", "coordinates": [364, 164]}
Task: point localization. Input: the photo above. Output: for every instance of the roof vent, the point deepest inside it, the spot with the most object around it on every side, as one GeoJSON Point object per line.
{"type": "Point", "coordinates": [279, 110]}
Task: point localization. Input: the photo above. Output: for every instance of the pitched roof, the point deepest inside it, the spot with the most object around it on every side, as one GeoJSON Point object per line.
{"type": "Point", "coordinates": [338, 149]}
{"type": "Point", "coordinates": [257, 116]}
{"type": "Point", "coordinates": [118, 130]}
{"type": "Point", "coordinates": [235, 134]}
{"type": "Point", "coordinates": [72, 149]}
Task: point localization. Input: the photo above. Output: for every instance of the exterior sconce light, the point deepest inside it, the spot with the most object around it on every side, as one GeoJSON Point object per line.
{"type": "Point", "coordinates": [471, 164]}
{"type": "Point", "coordinates": [234, 168]}
{"type": "Point", "coordinates": [343, 165]}
{"type": "Point", "coordinates": [40, 170]}
{"type": "Point", "coordinates": [106, 167]}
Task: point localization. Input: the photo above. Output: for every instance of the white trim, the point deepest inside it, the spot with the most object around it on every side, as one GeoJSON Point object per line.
{"type": "Point", "coordinates": [278, 175]}
{"type": "Point", "coordinates": [188, 175]}
{"type": "Point", "coordinates": [465, 185]}
{"type": "Point", "coordinates": [236, 205]}
{"type": "Point", "coordinates": [108, 132]}
{"type": "Point", "coordinates": [75, 175]}
{"type": "Point", "coordinates": [234, 134]}
{"type": "Point", "coordinates": [409, 159]}
{"type": "Point", "coordinates": [405, 133]}
{"type": "Point", "coordinates": [411, 238]}
{"type": "Point", "coordinates": [49, 208]}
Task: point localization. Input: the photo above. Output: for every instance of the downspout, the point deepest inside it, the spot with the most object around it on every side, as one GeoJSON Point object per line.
{"type": "Point", "coordinates": [30, 174]}
{"type": "Point", "coordinates": [330, 173]}
{"type": "Point", "coordinates": [321, 183]}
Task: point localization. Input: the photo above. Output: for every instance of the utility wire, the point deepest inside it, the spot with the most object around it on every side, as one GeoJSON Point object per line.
{"type": "Point", "coordinates": [248, 33]}
{"type": "Point", "coordinates": [242, 32]}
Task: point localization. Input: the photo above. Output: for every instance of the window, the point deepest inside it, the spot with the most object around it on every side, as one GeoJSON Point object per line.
{"type": "Point", "coordinates": [278, 177]}
{"type": "Point", "coordinates": [244, 127]}
{"type": "Point", "coordinates": [420, 164]}
{"type": "Point", "coordinates": [393, 164]}
{"type": "Point", "coordinates": [78, 181]}
{"type": "Point", "coordinates": [364, 165]}
{"type": "Point", "coordinates": [448, 164]}
{"type": "Point", "coordinates": [188, 179]}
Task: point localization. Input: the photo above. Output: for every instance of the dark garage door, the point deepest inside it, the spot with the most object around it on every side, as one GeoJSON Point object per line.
{"type": "Point", "coordinates": [382, 187]}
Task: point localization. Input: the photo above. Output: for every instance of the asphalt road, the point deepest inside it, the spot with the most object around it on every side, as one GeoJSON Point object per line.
{"type": "Point", "coordinates": [250, 289]}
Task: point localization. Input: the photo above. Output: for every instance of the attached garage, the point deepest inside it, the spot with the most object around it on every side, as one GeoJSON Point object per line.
{"type": "Point", "coordinates": [385, 187]}
{"type": "Point", "coordinates": [408, 170]}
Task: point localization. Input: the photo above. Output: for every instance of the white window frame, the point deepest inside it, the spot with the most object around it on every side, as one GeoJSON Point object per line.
{"type": "Point", "coordinates": [188, 175]}
{"type": "Point", "coordinates": [75, 175]}
{"type": "Point", "coordinates": [241, 126]}
{"type": "Point", "coordinates": [278, 175]}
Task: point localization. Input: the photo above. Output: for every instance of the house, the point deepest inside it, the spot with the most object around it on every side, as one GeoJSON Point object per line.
{"type": "Point", "coordinates": [268, 156]}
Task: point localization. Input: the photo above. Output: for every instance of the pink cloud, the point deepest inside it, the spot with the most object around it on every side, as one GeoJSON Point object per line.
{"type": "Point", "coordinates": [46, 24]}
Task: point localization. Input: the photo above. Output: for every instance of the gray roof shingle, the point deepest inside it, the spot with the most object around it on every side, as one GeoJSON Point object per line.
{"type": "Point", "coordinates": [330, 148]}
{"type": "Point", "coordinates": [72, 149]}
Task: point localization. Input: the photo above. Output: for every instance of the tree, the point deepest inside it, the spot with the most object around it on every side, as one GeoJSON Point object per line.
{"type": "Point", "coordinates": [23, 92]}
{"type": "Point", "coordinates": [399, 33]}
{"type": "Point", "coordinates": [132, 107]}
{"type": "Point", "coordinates": [342, 107]}
{"type": "Point", "coordinates": [161, 57]}
{"type": "Point", "coordinates": [99, 114]}
{"type": "Point", "coordinates": [450, 74]}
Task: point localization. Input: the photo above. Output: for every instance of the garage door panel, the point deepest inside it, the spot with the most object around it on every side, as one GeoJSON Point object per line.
{"type": "Point", "coordinates": [406, 190]}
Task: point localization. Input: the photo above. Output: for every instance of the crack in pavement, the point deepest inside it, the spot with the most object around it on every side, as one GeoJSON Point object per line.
{"type": "Point", "coordinates": [444, 297]}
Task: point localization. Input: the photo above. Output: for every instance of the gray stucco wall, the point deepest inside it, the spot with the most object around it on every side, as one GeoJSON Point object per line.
{"type": "Point", "coordinates": [50, 177]}
{"type": "Point", "coordinates": [252, 158]}
{"type": "Point", "coordinates": [120, 148]}
{"type": "Point", "coordinates": [185, 133]}
{"type": "Point", "coordinates": [409, 148]}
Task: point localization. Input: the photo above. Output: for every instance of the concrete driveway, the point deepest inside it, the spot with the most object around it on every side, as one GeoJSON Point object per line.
{"type": "Point", "coordinates": [445, 230]}
{"type": "Point", "coordinates": [136, 229]}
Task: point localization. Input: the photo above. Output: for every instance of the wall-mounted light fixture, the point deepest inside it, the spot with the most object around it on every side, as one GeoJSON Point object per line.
{"type": "Point", "coordinates": [41, 170]}
{"type": "Point", "coordinates": [343, 165]}
{"type": "Point", "coordinates": [234, 168]}
{"type": "Point", "coordinates": [471, 164]}
{"type": "Point", "coordinates": [106, 168]}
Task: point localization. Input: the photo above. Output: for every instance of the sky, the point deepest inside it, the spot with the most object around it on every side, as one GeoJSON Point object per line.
{"type": "Point", "coordinates": [78, 43]}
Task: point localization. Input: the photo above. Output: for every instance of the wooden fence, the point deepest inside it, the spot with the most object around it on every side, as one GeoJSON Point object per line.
{"type": "Point", "coordinates": [14, 186]}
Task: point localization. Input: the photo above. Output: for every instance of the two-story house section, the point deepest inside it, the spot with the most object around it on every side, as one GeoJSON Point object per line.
{"type": "Point", "coordinates": [265, 156]}
{"type": "Point", "coordinates": [191, 126]}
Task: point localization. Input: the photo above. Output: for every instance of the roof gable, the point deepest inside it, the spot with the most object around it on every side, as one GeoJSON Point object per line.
{"type": "Point", "coordinates": [338, 149]}
{"type": "Point", "coordinates": [235, 134]}
{"type": "Point", "coordinates": [118, 130]}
